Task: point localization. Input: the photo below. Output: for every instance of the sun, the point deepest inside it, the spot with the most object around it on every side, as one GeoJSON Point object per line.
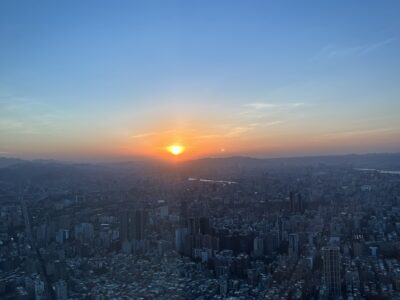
{"type": "Point", "coordinates": [176, 149]}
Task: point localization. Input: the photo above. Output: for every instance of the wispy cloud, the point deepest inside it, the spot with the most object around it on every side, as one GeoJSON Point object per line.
{"type": "Point", "coordinates": [208, 136]}
{"type": "Point", "coordinates": [261, 105]}
{"type": "Point", "coordinates": [265, 105]}
{"type": "Point", "coordinates": [266, 124]}
{"type": "Point", "coordinates": [21, 115]}
{"type": "Point", "coordinates": [361, 132]}
{"type": "Point", "coordinates": [331, 51]}
{"type": "Point", "coordinates": [153, 133]}
{"type": "Point", "coordinates": [142, 135]}
{"type": "Point", "coordinates": [238, 131]}
{"type": "Point", "coordinates": [7, 124]}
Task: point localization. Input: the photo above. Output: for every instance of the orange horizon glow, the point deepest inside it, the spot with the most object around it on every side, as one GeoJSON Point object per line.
{"type": "Point", "coordinates": [201, 138]}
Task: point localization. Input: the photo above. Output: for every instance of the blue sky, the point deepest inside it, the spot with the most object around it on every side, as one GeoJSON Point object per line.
{"type": "Point", "coordinates": [263, 78]}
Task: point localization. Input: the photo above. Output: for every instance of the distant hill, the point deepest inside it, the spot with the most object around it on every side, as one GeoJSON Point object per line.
{"type": "Point", "coordinates": [5, 161]}
{"type": "Point", "coordinates": [16, 170]}
{"type": "Point", "coordinates": [387, 161]}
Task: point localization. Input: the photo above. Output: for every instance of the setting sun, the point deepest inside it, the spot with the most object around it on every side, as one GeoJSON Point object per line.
{"type": "Point", "coordinates": [176, 149]}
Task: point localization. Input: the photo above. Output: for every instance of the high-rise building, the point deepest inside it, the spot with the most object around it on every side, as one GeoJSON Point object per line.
{"type": "Point", "coordinates": [258, 246]}
{"type": "Point", "coordinates": [296, 202]}
{"type": "Point", "coordinates": [223, 285]}
{"type": "Point", "coordinates": [282, 225]}
{"type": "Point", "coordinates": [132, 225]}
{"type": "Point", "coordinates": [204, 225]}
{"type": "Point", "coordinates": [194, 226]}
{"type": "Point", "coordinates": [61, 290]}
{"type": "Point", "coordinates": [39, 289]}
{"type": "Point", "coordinates": [180, 237]}
{"type": "Point", "coordinates": [331, 270]}
{"type": "Point", "coordinates": [300, 204]}
{"type": "Point", "coordinates": [292, 200]}
{"type": "Point", "coordinates": [183, 213]}
{"type": "Point", "coordinates": [139, 224]}
{"type": "Point", "coordinates": [124, 228]}
{"type": "Point", "coordinates": [293, 245]}
{"type": "Point", "coordinates": [84, 232]}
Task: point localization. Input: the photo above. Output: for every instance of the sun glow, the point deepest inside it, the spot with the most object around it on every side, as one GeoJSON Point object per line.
{"type": "Point", "coordinates": [176, 149]}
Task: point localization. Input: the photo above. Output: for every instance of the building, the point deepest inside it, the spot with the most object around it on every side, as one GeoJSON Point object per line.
{"type": "Point", "coordinates": [61, 290]}
{"type": "Point", "coordinates": [258, 246]}
{"type": "Point", "coordinates": [132, 225]}
{"type": "Point", "coordinates": [84, 232]}
{"type": "Point", "coordinates": [296, 202]}
{"type": "Point", "coordinates": [293, 245]}
{"type": "Point", "coordinates": [138, 225]}
{"type": "Point", "coordinates": [39, 289]}
{"type": "Point", "coordinates": [331, 270]}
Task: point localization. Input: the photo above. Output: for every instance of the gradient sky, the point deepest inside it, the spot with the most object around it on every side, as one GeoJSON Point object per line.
{"type": "Point", "coordinates": [110, 79]}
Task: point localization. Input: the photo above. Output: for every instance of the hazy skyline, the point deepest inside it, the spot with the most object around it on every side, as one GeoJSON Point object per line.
{"type": "Point", "coordinates": [99, 79]}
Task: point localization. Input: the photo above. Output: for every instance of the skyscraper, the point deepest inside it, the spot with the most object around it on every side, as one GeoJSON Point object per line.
{"type": "Point", "coordinates": [61, 290]}
{"type": "Point", "coordinates": [331, 270]}
{"type": "Point", "coordinates": [194, 226]}
{"type": "Point", "coordinates": [258, 246]}
{"type": "Point", "coordinates": [292, 199]}
{"type": "Point", "coordinates": [183, 213]}
{"type": "Point", "coordinates": [132, 225]}
{"type": "Point", "coordinates": [293, 245]}
{"type": "Point", "coordinates": [124, 223]}
{"type": "Point", "coordinates": [138, 225]}
{"type": "Point", "coordinates": [204, 225]}
{"type": "Point", "coordinates": [296, 202]}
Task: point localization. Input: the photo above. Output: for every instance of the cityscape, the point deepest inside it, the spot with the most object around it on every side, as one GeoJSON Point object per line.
{"type": "Point", "coordinates": [205, 150]}
{"type": "Point", "coordinates": [312, 228]}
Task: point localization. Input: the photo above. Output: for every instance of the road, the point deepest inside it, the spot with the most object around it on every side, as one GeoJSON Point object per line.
{"type": "Point", "coordinates": [42, 264]}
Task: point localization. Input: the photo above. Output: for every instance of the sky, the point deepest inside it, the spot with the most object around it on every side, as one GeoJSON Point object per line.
{"type": "Point", "coordinates": [120, 79]}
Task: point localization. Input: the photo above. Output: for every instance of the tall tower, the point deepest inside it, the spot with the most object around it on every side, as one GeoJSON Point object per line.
{"type": "Point", "coordinates": [293, 245]}
{"type": "Point", "coordinates": [124, 223]}
{"type": "Point", "coordinates": [296, 202]}
{"type": "Point", "coordinates": [194, 226]}
{"type": "Point", "coordinates": [61, 290]}
{"type": "Point", "coordinates": [132, 225]}
{"type": "Point", "coordinates": [138, 225]}
{"type": "Point", "coordinates": [292, 198]}
{"type": "Point", "coordinates": [331, 262]}
{"type": "Point", "coordinates": [300, 205]}
{"type": "Point", "coordinates": [183, 213]}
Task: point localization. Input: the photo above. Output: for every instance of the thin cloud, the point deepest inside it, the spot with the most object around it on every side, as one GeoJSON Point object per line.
{"type": "Point", "coordinates": [351, 133]}
{"type": "Point", "coordinates": [142, 135]}
{"type": "Point", "coordinates": [208, 136]}
{"type": "Point", "coordinates": [338, 52]}
{"type": "Point", "coordinates": [147, 134]}
{"type": "Point", "coordinates": [6, 125]}
{"type": "Point", "coordinates": [266, 124]}
{"type": "Point", "coordinates": [261, 105]}
{"type": "Point", "coordinates": [238, 131]}
{"type": "Point", "coordinates": [21, 115]}
{"type": "Point", "coordinates": [265, 105]}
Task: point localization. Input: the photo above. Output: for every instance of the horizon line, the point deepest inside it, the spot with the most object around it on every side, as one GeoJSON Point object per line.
{"type": "Point", "coordinates": [142, 159]}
